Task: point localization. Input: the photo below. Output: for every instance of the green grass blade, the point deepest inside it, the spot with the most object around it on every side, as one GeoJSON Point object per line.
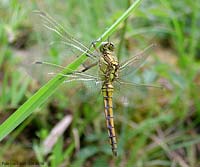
{"type": "Point", "coordinates": [43, 93]}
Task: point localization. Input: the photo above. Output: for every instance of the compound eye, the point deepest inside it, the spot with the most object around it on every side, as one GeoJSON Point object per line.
{"type": "Point", "coordinates": [111, 47]}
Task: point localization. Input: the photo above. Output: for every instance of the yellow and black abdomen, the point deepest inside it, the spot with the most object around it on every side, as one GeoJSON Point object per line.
{"type": "Point", "coordinates": [107, 91]}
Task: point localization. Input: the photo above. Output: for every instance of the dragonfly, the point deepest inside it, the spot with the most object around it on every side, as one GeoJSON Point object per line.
{"type": "Point", "coordinates": [110, 69]}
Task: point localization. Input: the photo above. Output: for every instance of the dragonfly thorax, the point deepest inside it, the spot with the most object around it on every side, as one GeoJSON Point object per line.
{"type": "Point", "coordinates": [108, 63]}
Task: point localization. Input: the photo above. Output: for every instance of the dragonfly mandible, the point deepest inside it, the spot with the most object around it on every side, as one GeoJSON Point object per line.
{"type": "Point", "coordinates": [110, 70]}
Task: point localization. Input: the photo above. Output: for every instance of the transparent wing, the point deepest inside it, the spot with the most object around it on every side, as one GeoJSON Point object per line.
{"type": "Point", "coordinates": [132, 85]}
{"type": "Point", "coordinates": [89, 79]}
{"type": "Point", "coordinates": [65, 37]}
{"type": "Point", "coordinates": [131, 65]}
{"type": "Point", "coordinates": [47, 64]}
{"type": "Point", "coordinates": [53, 69]}
{"type": "Point", "coordinates": [129, 93]}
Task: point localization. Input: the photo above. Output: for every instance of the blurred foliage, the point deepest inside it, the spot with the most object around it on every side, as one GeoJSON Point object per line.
{"type": "Point", "coordinates": [154, 128]}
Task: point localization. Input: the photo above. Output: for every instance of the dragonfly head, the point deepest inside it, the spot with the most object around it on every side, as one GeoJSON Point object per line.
{"type": "Point", "coordinates": [107, 46]}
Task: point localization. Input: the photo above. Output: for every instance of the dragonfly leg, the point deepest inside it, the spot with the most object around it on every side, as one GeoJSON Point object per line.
{"type": "Point", "coordinates": [88, 67]}
{"type": "Point", "coordinates": [93, 44]}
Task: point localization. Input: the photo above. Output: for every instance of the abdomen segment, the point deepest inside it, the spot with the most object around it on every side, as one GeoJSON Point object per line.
{"type": "Point", "coordinates": [107, 91]}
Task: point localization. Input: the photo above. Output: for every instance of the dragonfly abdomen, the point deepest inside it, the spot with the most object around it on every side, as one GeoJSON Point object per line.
{"type": "Point", "coordinates": [107, 91]}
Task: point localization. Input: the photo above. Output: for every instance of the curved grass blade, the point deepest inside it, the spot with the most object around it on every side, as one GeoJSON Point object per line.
{"type": "Point", "coordinates": [48, 89]}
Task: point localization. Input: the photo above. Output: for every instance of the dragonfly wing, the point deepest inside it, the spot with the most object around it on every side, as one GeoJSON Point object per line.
{"type": "Point", "coordinates": [39, 65]}
{"type": "Point", "coordinates": [42, 71]}
{"type": "Point", "coordinates": [131, 65]}
{"type": "Point", "coordinates": [129, 93]}
{"type": "Point", "coordinates": [47, 70]}
{"type": "Point", "coordinates": [87, 80]}
{"type": "Point", "coordinates": [65, 37]}
{"type": "Point", "coordinates": [91, 83]}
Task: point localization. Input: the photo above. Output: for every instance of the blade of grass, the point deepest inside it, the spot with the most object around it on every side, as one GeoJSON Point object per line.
{"type": "Point", "coordinates": [43, 93]}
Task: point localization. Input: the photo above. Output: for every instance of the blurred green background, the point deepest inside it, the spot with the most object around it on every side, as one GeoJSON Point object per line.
{"type": "Point", "coordinates": [154, 127]}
